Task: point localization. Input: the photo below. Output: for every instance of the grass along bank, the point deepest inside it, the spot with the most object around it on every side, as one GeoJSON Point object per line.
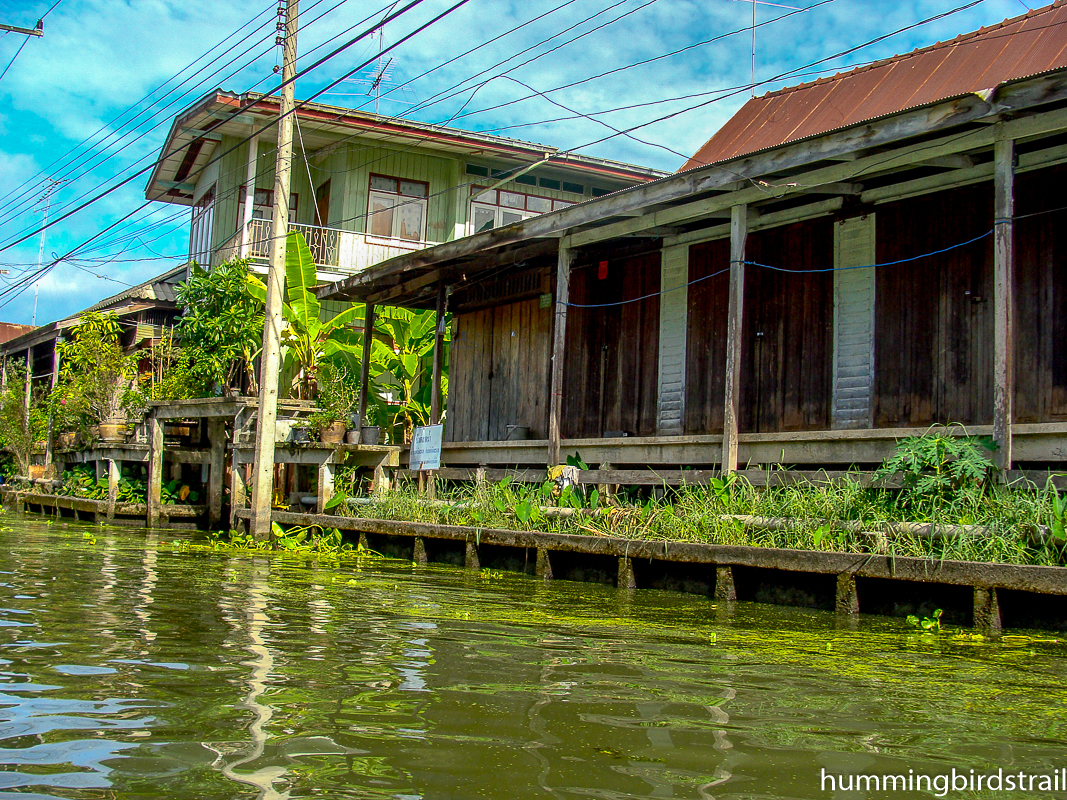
{"type": "Point", "coordinates": [949, 506]}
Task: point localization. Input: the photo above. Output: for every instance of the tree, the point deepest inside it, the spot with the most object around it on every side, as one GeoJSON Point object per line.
{"type": "Point", "coordinates": [221, 327]}
{"type": "Point", "coordinates": [306, 338]}
{"type": "Point", "coordinates": [16, 436]}
{"type": "Point", "coordinates": [95, 371]}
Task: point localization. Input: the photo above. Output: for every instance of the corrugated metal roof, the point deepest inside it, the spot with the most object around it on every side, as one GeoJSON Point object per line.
{"type": "Point", "coordinates": [1023, 46]}
{"type": "Point", "coordinates": [161, 288]}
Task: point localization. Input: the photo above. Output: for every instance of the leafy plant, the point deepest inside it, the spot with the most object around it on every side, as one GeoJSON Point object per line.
{"type": "Point", "coordinates": [931, 623]}
{"type": "Point", "coordinates": [306, 338]}
{"type": "Point", "coordinates": [936, 466]}
{"type": "Point", "coordinates": [401, 367]}
{"type": "Point", "coordinates": [20, 427]}
{"type": "Point", "coordinates": [95, 374]}
{"type": "Point", "coordinates": [1058, 515]}
{"type": "Point", "coordinates": [221, 327]}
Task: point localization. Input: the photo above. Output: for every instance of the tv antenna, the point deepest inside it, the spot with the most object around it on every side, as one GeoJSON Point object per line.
{"type": "Point", "coordinates": [754, 4]}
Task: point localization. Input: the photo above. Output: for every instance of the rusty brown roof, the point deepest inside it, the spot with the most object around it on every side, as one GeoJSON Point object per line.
{"type": "Point", "coordinates": [1021, 47]}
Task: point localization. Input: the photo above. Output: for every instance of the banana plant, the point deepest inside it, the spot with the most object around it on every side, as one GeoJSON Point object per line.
{"type": "Point", "coordinates": [401, 361]}
{"type": "Point", "coordinates": [306, 338]}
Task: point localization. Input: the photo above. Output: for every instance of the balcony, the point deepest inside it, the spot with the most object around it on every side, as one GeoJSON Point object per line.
{"type": "Point", "coordinates": [337, 253]}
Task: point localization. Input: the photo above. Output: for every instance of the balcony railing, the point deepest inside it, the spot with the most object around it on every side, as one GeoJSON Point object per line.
{"type": "Point", "coordinates": [334, 250]}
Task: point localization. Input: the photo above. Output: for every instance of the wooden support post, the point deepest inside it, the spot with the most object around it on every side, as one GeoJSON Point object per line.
{"type": "Point", "coordinates": [735, 315]}
{"type": "Point", "coordinates": [419, 553]}
{"type": "Point", "coordinates": [114, 474]}
{"type": "Point", "coordinates": [381, 479]}
{"type": "Point", "coordinates": [216, 470]}
{"type": "Point", "coordinates": [325, 489]}
{"type": "Point", "coordinates": [627, 580]}
{"type": "Point", "coordinates": [1003, 295]}
{"type": "Point", "coordinates": [364, 372]}
{"type": "Point", "coordinates": [605, 490]}
{"type": "Point", "coordinates": [724, 584]}
{"type": "Point", "coordinates": [559, 342]}
{"type": "Point", "coordinates": [155, 470]}
{"type": "Point", "coordinates": [986, 611]}
{"type": "Point", "coordinates": [471, 560]}
{"type": "Point", "coordinates": [238, 492]}
{"type": "Point", "coordinates": [438, 354]}
{"type": "Point", "coordinates": [847, 601]}
{"type": "Point", "coordinates": [49, 446]}
{"type": "Point", "coordinates": [28, 389]}
{"type": "Point", "coordinates": [543, 566]}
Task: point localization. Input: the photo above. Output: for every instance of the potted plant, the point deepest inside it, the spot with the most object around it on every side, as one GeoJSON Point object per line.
{"type": "Point", "coordinates": [337, 396]}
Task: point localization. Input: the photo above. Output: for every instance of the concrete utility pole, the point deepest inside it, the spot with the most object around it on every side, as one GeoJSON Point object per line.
{"type": "Point", "coordinates": [263, 476]}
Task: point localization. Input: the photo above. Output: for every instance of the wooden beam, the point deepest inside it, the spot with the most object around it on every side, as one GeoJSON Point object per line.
{"type": "Point", "coordinates": [364, 371]}
{"type": "Point", "coordinates": [403, 288]}
{"type": "Point", "coordinates": [155, 470]}
{"type": "Point", "coordinates": [735, 316]}
{"type": "Point", "coordinates": [438, 354]}
{"type": "Point", "coordinates": [216, 431]}
{"type": "Point", "coordinates": [1003, 296]}
{"type": "Point", "coordinates": [559, 340]}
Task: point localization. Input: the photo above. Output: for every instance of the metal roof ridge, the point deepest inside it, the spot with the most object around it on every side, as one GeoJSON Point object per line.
{"type": "Point", "coordinates": [954, 42]}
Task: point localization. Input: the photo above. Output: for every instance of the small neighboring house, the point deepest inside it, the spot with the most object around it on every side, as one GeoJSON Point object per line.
{"type": "Point", "coordinates": [844, 263]}
{"type": "Point", "coordinates": [144, 312]}
{"type": "Point", "coordinates": [365, 187]}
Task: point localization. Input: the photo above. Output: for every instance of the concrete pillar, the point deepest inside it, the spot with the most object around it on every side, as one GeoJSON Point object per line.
{"type": "Point", "coordinates": [559, 341]}
{"type": "Point", "coordinates": [986, 611]}
{"type": "Point", "coordinates": [238, 492]}
{"type": "Point", "coordinates": [325, 487]}
{"type": "Point", "coordinates": [155, 470]}
{"type": "Point", "coordinates": [735, 317]}
{"type": "Point", "coordinates": [471, 560]}
{"type": "Point", "coordinates": [419, 553]}
{"type": "Point", "coordinates": [1003, 296]}
{"type": "Point", "coordinates": [627, 580]}
{"type": "Point", "coordinates": [114, 474]}
{"type": "Point", "coordinates": [847, 601]}
{"type": "Point", "coordinates": [724, 584]}
{"type": "Point", "coordinates": [543, 568]}
{"type": "Point", "coordinates": [216, 431]}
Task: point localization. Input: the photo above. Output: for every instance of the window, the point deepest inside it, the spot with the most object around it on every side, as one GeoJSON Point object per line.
{"type": "Point", "coordinates": [200, 229]}
{"type": "Point", "coordinates": [573, 188]}
{"type": "Point", "coordinates": [477, 169]}
{"type": "Point", "coordinates": [549, 183]}
{"type": "Point", "coordinates": [396, 208]}
{"type": "Point", "coordinates": [263, 205]}
{"type": "Point", "coordinates": [529, 180]}
{"type": "Point", "coordinates": [599, 192]}
{"type": "Point", "coordinates": [493, 208]}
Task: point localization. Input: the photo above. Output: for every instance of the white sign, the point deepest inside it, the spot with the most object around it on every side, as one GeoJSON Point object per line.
{"type": "Point", "coordinates": [426, 447]}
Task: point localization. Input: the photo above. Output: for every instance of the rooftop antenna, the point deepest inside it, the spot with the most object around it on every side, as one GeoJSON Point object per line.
{"type": "Point", "coordinates": [45, 197]}
{"type": "Point", "coordinates": [754, 4]}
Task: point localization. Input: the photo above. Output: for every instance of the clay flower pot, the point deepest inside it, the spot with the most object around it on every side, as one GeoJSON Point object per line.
{"type": "Point", "coordinates": [334, 433]}
{"type": "Point", "coordinates": [112, 432]}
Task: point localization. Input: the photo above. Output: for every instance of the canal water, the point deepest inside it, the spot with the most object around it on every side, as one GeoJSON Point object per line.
{"type": "Point", "coordinates": [130, 670]}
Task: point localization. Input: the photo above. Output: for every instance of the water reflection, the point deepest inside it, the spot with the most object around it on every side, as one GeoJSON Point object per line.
{"type": "Point", "coordinates": [129, 670]}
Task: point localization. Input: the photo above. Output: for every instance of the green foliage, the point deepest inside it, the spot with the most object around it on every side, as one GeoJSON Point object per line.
{"type": "Point", "coordinates": [937, 466]}
{"type": "Point", "coordinates": [175, 492]}
{"type": "Point", "coordinates": [402, 362]}
{"type": "Point", "coordinates": [338, 392]}
{"type": "Point", "coordinates": [16, 436]}
{"type": "Point", "coordinates": [177, 373]}
{"type": "Point", "coordinates": [96, 377]}
{"type": "Point", "coordinates": [306, 338]}
{"type": "Point", "coordinates": [930, 624]}
{"type": "Point", "coordinates": [221, 327]}
{"type": "Point", "coordinates": [81, 481]}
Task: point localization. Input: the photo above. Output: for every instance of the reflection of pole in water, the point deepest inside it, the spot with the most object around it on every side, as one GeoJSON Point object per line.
{"type": "Point", "coordinates": [262, 664]}
{"type": "Point", "coordinates": [148, 584]}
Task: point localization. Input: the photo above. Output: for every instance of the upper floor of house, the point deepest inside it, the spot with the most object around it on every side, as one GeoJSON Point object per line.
{"type": "Point", "coordinates": [364, 187]}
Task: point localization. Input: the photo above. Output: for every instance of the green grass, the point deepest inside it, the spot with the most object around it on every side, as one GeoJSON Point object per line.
{"type": "Point", "coordinates": [1012, 517]}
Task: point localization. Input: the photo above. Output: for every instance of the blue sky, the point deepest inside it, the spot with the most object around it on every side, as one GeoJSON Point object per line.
{"type": "Point", "coordinates": [97, 60]}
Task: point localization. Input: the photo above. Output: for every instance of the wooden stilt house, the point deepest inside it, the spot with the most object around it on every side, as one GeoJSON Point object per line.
{"type": "Point", "coordinates": [844, 263]}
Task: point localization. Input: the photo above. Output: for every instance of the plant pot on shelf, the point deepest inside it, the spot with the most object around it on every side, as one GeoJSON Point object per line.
{"type": "Point", "coordinates": [112, 432]}
{"type": "Point", "coordinates": [299, 435]}
{"type": "Point", "coordinates": [353, 436]}
{"type": "Point", "coordinates": [334, 433]}
{"type": "Point", "coordinates": [65, 440]}
{"type": "Point", "coordinates": [370, 434]}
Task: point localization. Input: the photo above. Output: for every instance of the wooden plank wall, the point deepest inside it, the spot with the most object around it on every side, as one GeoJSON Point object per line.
{"type": "Point", "coordinates": [499, 370]}
{"type": "Point", "coordinates": [786, 351]}
{"type": "Point", "coordinates": [1041, 297]}
{"type": "Point", "coordinates": [934, 317]}
{"type": "Point", "coordinates": [614, 348]}
{"type": "Point", "coordinates": [705, 340]}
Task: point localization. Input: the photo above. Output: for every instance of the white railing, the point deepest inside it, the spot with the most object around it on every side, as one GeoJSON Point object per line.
{"type": "Point", "coordinates": [334, 250]}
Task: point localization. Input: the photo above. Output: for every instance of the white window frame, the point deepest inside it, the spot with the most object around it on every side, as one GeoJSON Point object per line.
{"type": "Point", "coordinates": [200, 228]}
{"type": "Point", "coordinates": [395, 200]}
{"type": "Point", "coordinates": [489, 200]}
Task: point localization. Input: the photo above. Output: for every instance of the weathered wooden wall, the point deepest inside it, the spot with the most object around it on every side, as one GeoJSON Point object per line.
{"type": "Point", "coordinates": [499, 368]}
{"type": "Point", "coordinates": [934, 317]}
{"type": "Point", "coordinates": [1041, 297]}
{"type": "Point", "coordinates": [786, 350]}
{"type": "Point", "coordinates": [611, 362]}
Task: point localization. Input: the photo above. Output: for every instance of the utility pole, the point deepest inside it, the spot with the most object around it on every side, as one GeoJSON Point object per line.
{"type": "Point", "coordinates": [47, 197]}
{"type": "Point", "coordinates": [263, 477]}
